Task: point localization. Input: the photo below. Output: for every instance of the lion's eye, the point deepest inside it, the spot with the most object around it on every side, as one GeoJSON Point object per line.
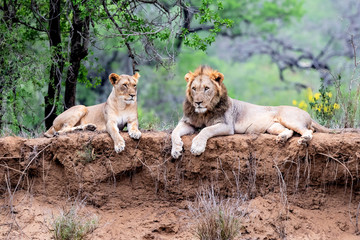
{"type": "Point", "coordinates": [206, 88]}
{"type": "Point", "coordinates": [194, 88]}
{"type": "Point", "coordinates": [125, 85]}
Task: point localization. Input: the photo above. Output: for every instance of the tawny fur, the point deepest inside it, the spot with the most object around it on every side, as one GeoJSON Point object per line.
{"type": "Point", "coordinates": [119, 110]}
{"type": "Point", "coordinates": [208, 107]}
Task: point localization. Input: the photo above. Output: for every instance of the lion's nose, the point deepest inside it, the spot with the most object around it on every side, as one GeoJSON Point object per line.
{"type": "Point", "coordinates": [132, 95]}
{"type": "Point", "coordinates": [198, 103]}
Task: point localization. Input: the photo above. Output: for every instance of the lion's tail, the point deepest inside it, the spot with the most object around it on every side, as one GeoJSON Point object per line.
{"type": "Point", "coordinates": [322, 129]}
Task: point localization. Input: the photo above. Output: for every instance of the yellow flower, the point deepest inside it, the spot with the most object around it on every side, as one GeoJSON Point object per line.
{"type": "Point", "coordinates": [294, 102]}
{"type": "Point", "coordinates": [309, 94]}
{"type": "Point", "coordinates": [303, 105]}
{"type": "Point", "coordinates": [317, 96]}
{"type": "Point", "coordinates": [326, 109]}
{"type": "Point", "coordinates": [336, 106]}
{"type": "Point", "coordinates": [329, 94]}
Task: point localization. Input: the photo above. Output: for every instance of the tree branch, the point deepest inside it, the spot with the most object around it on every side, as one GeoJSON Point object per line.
{"type": "Point", "coordinates": [130, 51]}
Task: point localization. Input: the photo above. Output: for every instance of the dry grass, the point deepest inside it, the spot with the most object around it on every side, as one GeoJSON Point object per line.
{"type": "Point", "coordinates": [214, 218]}
{"type": "Point", "coordinates": [70, 224]}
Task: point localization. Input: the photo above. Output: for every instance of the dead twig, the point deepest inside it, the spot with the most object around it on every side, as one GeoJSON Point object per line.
{"type": "Point", "coordinates": [7, 167]}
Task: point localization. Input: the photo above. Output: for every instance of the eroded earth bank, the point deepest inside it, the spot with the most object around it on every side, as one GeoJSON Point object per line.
{"type": "Point", "coordinates": [301, 192]}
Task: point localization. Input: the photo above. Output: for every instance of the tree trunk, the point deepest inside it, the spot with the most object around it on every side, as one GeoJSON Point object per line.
{"type": "Point", "coordinates": [79, 50]}
{"type": "Point", "coordinates": [57, 65]}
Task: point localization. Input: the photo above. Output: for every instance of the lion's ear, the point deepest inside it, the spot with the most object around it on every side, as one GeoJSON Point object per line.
{"type": "Point", "coordinates": [218, 77]}
{"type": "Point", "coordinates": [114, 78]}
{"type": "Point", "coordinates": [189, 76]}
{"type": "Point", "coordinates": [136, 76]}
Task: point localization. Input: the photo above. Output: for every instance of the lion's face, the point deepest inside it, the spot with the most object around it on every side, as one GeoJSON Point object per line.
{"type": "Point", "coordinates": [125, 86]}
{"type": "Point", "coordinates": [204, 88]}
{"type": "Point", "coordinates": [203, 91]}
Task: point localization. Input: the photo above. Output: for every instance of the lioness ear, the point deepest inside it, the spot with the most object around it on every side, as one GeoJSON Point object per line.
{"type": "Point", "coordinates": [136, 75]}
{"type": "Point", "coordinates": [188, 76]}
{"type": "Point", "coordinates": [114, 78]}
{"type": "Point", "coordinates": [218, 77]}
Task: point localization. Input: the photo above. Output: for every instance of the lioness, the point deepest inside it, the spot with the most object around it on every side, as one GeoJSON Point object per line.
{"type": "Point", "coordinates": [112, 115]}
{"type": "Point", "coordinates": [208, 107]}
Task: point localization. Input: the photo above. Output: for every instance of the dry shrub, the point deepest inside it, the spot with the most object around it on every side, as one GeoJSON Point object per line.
{"type": "Point", "coordinates": [70, 225]}
{"type": "Point", "coordinates": [216, 219]}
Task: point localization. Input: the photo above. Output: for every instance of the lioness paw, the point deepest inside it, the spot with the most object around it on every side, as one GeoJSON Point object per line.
{"type": "Point", "coordinates": [90, 127]}
{"type": "Point", "coordinates": [119, 147]}
{"type": "Point", "coordinates": [135, 134]}
{"type": "Point", "coordinates": [197, 146]}
{"type": "Point", "coordinates": [281, 138]}
{"type": "Point", "coordinates": [305, 138]}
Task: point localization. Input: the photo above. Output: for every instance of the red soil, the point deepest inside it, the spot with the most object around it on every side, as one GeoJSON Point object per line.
{"type": "Point", "coordinates": [301, 192]}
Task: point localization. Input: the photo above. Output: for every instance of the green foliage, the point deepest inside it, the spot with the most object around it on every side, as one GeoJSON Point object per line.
{"type": "Point", "coordinates": [261, 16]}
{"type": "Point", "coordinates": [322, 104]}
{"type": "Point", "coordinates": [22, 78]}
{"type": "Point", "coordinates": [348, 97]}
{"type": "Point", "coordinates": [336, 106]}
{"type": "Point", "coordinates": [151, 34]}
{"type": "Point", "coordinates": [83, 77]}
{"type": "Point", "coordinates": [209, 12]}
{"type": "Point", "coordinates": [86, 96]}
{"type": "Point", "coordinates": [160, 98]}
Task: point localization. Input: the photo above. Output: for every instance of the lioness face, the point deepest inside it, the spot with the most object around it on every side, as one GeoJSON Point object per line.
{"type": "Point", "coordinates": [203, 90]}
{"type": "Point", "coordinates": [125, 86]}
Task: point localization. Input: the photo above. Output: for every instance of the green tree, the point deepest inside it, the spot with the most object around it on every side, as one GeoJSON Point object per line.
{"type": "Point", "coordinates": [64, 32]}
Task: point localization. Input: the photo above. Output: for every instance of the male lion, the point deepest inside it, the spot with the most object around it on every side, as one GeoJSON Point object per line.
{"type": "Point", "coordinates": [208, 107]}
{"type": "Point", "coordinates": [112, 115]}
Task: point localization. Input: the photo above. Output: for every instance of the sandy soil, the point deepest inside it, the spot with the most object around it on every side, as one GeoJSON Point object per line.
{"type": "Point", "coordinates": [290, 191]}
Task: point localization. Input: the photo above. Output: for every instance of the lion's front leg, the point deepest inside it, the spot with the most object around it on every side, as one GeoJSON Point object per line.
{"type": "Point", "coordinates": [133, 129]}
{"type": "Point", "coordinates": [113, 130]}
{"type": "Point", "coordinates": [177, 144]}
{"type": "Point", "coordinates": [199, 142]}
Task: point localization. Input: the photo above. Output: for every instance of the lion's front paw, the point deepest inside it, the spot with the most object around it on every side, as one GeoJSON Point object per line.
{"type": "Point", "coordinates": [135, 134]}
{"type": "Point", "coordinates": [119, 147]}
{"type": "Point", "coordinates": [176, 150]}
{"type": "Point", "coordinates": [198, 146]}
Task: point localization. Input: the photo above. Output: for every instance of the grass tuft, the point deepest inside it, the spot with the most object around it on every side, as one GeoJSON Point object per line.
{"type": "Point", "coordinates": [70, 225]}
{"type": "Point", "coordinates": [216, 219]}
